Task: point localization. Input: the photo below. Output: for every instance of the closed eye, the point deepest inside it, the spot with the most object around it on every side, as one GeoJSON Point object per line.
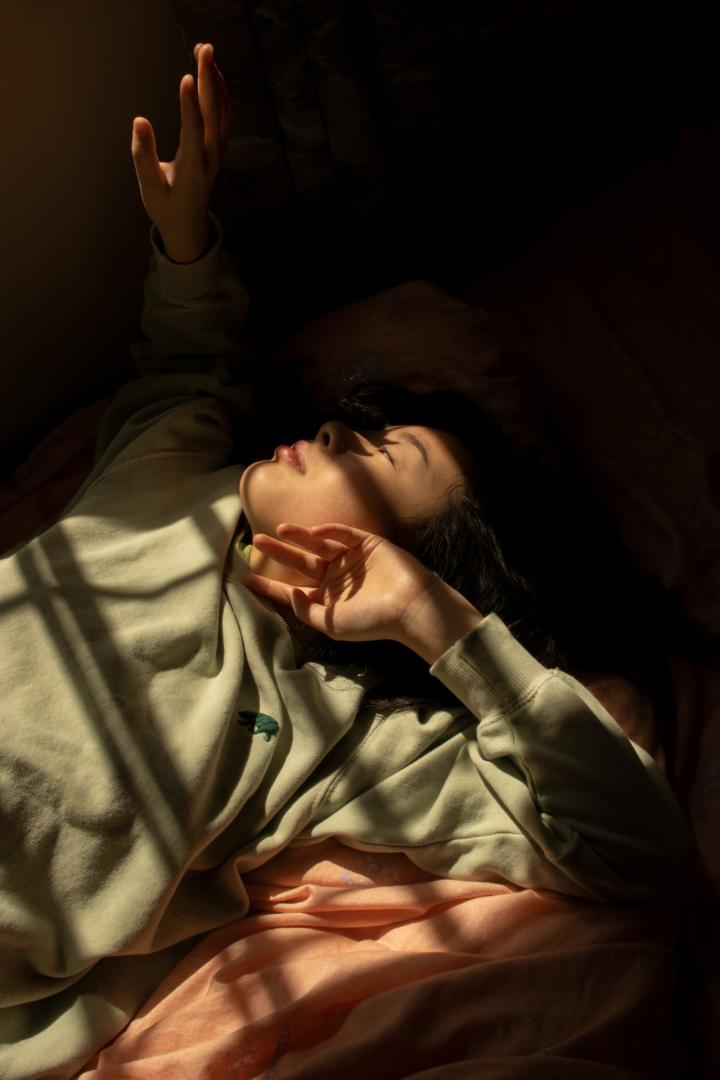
{"type": "Point", "coordinates": [384, 450]}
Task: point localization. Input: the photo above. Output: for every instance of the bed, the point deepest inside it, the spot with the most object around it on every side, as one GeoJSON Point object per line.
{"type": "Point", "coordinates": [345, 961]}
{"type": "Point", "coordinates": [608, 327]}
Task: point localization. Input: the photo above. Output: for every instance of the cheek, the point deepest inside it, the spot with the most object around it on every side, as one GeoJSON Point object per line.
{"type": "Point", "coordinates": [269, 494]}
{"type": "Point", "coordinates": [353, 500]}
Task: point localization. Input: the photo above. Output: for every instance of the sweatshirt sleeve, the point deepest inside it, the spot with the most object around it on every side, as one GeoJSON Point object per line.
{"type": "Point", "coordinates": [194, 314]}
{"type": "Point", "coordinates": [194, 344]}
{"type": "Point", "coordinates": [570, 784]}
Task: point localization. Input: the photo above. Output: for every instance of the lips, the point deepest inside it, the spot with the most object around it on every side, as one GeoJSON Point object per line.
{"type": "Point", "coordinates": [291, 456]}
{"type": "Point", "coordinates": [300, 454]}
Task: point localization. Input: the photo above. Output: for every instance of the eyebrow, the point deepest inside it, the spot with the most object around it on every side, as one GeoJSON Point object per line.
{"type": "Point", "coordinates": [409, 437]}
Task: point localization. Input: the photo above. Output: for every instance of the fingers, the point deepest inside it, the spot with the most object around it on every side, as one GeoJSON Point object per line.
{"type": "Point", "coordinates": [300, 534]}
{"type": "Point", "coordinates": [343, 534]}
{"type": "Point", "coordinates": [210, 97]}
{"type": "Point", "coordinates": [311, 565]}
{"type": "Point", "coordinates": [192, 124]}
{"type": "Point", "coordinates": [274, 590]}
{"type": "Point", "coordinates": [310, 612]}
{"type": "Point", "coordinates": [300, 600]}
{"type": "Point", "coordinates": [208, 103]}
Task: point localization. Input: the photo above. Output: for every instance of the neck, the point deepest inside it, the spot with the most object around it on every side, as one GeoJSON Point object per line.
{"type": "Point", "coordinates": [260, 563]}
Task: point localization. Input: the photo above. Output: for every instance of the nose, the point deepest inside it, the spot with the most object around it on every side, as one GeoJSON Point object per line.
{"type": "Point", "coordinates": [337, 438]}
{"type": "Point", "coordinates": [333, 436]}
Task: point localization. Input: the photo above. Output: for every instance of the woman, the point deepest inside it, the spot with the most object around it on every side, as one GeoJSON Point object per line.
{"type": "Point", "coordinates": [164, 726]}
{"type": "Point", "coordinates": [433, 512]}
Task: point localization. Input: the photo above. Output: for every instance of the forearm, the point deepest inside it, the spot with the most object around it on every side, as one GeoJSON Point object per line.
{"type": "Point", "coordinates": [194, 317]}
{"type": "Point", "coordinates": [439, 618]}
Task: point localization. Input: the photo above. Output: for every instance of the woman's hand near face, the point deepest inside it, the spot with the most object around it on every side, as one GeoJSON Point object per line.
{"type": "Point", "coordinates": [175, 194]}
{"type": "Point", "coordinates": [367, 589]}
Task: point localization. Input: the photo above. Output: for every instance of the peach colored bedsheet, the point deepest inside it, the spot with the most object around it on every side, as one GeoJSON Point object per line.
{"type": "Point", "coordinates": [351, 964]}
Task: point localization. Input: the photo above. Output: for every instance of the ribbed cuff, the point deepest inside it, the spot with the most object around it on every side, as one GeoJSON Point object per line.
{"type": "Point", "coordinates": [186, 282]}
{"type": "Point", "coordinates": [488, 669]}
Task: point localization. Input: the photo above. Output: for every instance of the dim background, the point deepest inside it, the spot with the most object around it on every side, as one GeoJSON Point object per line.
{"type": "Point", "coordinates": [564, 99]}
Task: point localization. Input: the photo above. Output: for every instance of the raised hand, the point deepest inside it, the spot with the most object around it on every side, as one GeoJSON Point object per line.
{"type": "Point", "coordinates": [175, 194]}
{"type": "Point", "coordinates": [365, 587]}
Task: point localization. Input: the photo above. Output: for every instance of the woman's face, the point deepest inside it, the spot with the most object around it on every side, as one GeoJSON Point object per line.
{"type": "Point", "coordinates": [372, 480]}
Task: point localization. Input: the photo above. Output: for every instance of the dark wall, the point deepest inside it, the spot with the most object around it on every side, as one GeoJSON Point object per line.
{"type": "Point", "coordinates": [74, 231]}
{"type": "Point", "coordinates": [482, 121]}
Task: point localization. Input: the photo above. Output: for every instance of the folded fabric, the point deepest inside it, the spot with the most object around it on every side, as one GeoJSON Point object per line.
{"type": "Point", "coordinates": [348, 958]}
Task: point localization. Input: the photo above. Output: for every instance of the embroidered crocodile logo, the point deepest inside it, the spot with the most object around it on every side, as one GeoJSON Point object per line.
{"type": "Point", "coordinates": [259, 723]}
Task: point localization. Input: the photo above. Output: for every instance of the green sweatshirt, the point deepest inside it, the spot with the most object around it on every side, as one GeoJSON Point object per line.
{"type": "Point", "coordinates": [160, 735]}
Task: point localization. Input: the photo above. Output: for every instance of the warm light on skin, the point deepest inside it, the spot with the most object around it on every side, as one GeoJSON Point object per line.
{"type": "Point", "coordinates": [371, 480]}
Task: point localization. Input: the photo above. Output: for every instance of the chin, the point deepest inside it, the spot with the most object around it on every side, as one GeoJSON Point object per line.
{"type": "Point", "coordinates": [242, 494]}
{"type": "Point", "coordinates": [264, 496]}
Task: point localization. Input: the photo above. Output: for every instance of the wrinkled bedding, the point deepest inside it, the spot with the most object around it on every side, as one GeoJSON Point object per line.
{"type": "Point", "coordinates": [349, 960]}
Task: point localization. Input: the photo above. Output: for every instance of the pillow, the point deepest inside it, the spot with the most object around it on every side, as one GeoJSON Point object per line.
{"type": "Point", "coordinates": [417, 334]}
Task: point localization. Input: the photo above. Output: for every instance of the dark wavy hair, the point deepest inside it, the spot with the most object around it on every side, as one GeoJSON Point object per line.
{"type": "Point", "coordinates": [523, 538]}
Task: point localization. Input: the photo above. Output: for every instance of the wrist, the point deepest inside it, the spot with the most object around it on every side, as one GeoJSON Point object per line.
{"type": "Point", "coordinates": [189, 245]}
{"type": "Point", "coordinates": [436, 620]}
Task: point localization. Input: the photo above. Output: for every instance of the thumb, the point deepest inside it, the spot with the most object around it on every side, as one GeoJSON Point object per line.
{"type": "Point", "coordinates": [308, 610]}
{"type": "Point", "coordinates": [144, 152]}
